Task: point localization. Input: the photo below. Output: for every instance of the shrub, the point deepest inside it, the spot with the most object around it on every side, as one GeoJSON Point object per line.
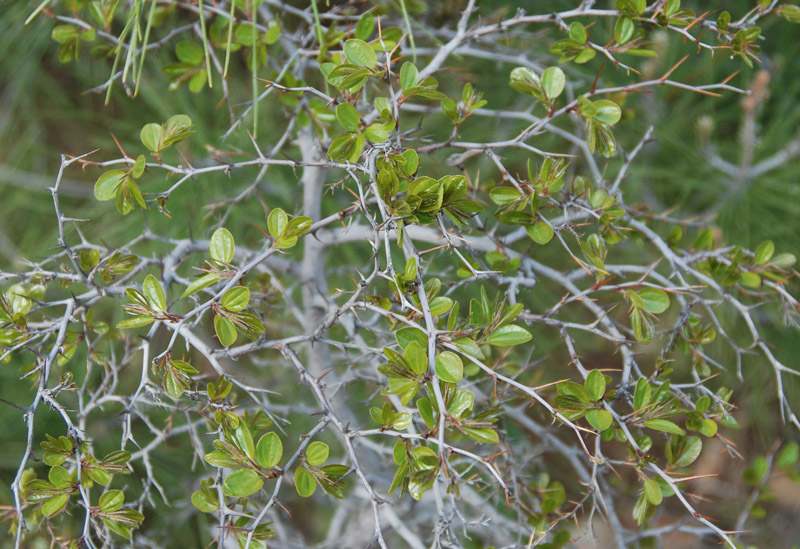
{"type": "Point", "coordinates": [412, 295]}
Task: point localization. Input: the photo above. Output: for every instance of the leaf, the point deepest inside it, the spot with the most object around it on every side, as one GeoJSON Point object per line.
{"type": "Point", "coordinates": [409, 76]}
{"type": "Point", "coordinates": [189, 53]}
{"type": "Point", "coordinates": [203, 503]}
{"type": "Point", "coordinates": [199, 284]}
{"type": "Point", "coordinates": [151, 136]}
{"type": "Point", "coordinates": [304, 482]}
{"type": "Point", "coordinates": [507, 336]}
{"type": "Point", "coordinates": [485, 435]}
{"type": "Point", "coordinates": [788, 455]}
{"type": "Point", "coordinates": [406, 335]}
{"type": "Point", "coordinates": [642, 327]}
{"type": "Point", "coordinates": [540, 232]}
{"type": "Point", "coordinates": [596, 384]}
{"type": "Point", "coordinates": [553, 82]}
{"type": "Point", "coordinates": [242, 483]}
{"type": "Point", "coordinates": [763, 254]}
{"type": "Point", "coordinates": [244, 440]}
{"type": "Point", "coordinates": [652, 491]}
{"type": "Point", "coordinates": [348, 117]}
{"type": "Point", "coordinates": [152, 290]}
{"type": "Point", "coordinates": [55, 505]}
{"type": "Point", "coordinates": [360, 53]}
{"type": "Point", "coordinates": [376, 133]}
{"type": "Point", "coordinates": [599, 419]}
{"type": "Point", "coordinates": [365, 26]}
{"type": "Point", "coordinates": [664, 425]}
{"type": "Point", "coordinates": [135, 322]}
{"type": "Point", "coordinates": [107, 184]}
{"type": "Point", "coordinates": [317, 453]}
{"type": "Point", "coordinates": [111, 501]}
{"type": "Point", "coordinates": [236, 299]}
{"type": "Point", "coordinates": [226, 331]}
{"type": "Point", "coordinates": [175, 129]}
{"type": "Point", "coordinates": [449, 367]}
{"type": "Point", "coordinates": [468, 346]}
{"type": "Point", "coordinates": [655, 300]}
{"type": "Point", "coordinates": [608, 112]}
{"type": "Point", "coordinates": [221, 246]}
{"type": "Point", "coordinates": [691, 448]}
{"type": "Point", "coordinates": [277, 222]}
{"type": "Point", "coordinates": [641, 395]}
{"type": "Point", "coordinates": [173, 384]}
{"type": "Point", "coordinates": [269, 450]}
{"type": "Point", "coordinates": [416, 357]}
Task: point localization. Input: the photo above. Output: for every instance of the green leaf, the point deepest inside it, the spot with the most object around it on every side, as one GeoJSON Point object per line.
{"type": "Point", "coordinates": [135, 322]}
{"type": "Point", "coordinates": [642, 327]}
{"type": "Point", "coordinates": [221, 246]}
{"type": "Point", "coordinates": [107, 184]}
{"type": "Point", "coordinates": [410, 272]}
{"type": "Point", "coordinates": [599, 419]}
{"type": "Point", "coordinates": [652, 491]}
{"type": "Point", "coordinates": [608, 112]}
{"type": "Point", "coordinates": [406, 335]}
{"type": "Point", "coordinates": [763, 253]}
{"type": "Point", "coordinates": [365, 26]}
{"type": "Point", "coordinates": [409, 76]}
{"type": "Point", "coordinates": [151, 136]}
{"type": "Point", "coordinates": [55, 505]}
{"type": "Point", "coordinates": [236, 299]}
{"type": "Point", "coordinates": [691, 448]}
{"type": "Point", "coordinates": [507, 336]}
{"type": "Point", "coordinates": [485, 435]}
{"type": "Point", "coordinates": [111, 501]}
{"type": "Point", "coordinates": [244, 440]}
{"type": "Point", "coordinates": [360, 53]}
{"type": "Point", "coordinates": [788, 455]}
{"type": "Point", "coordinates": [138, 166]}
{"type": "Point", "coordinates": [348, 117]}
{"type": "Point", "coordinates": [189, 53]}
{"type": "Point", "coordinates": [242, 483]}
{"type": "Point", "coordinates": [641, 395]}
{"type": "Point", "coordinates": [199, 284]}
{"type": "Point", "coordinates": [596, 384]}
{"type": "Point", "coordinates": [553, 82]}
{"type": "Point", "coordinates": [226, 331]}
{"type": "Point", "coordinates": [449, 367]}
{"type": "Point", "coordinates": [269, 450]}
{"type": "Point", "coordinates": [154, 293]}
{"type": "Point", "coordinates": [416, 357]}
{"type": "Point", "coordinates": [468, 346]}
{"type": "Point", "coordinates": [655, 300]}
{"type": "Point", "coordinates": [203, 503]}
{"type": "Point", "coordinates": [664, 425]}
{"type": "Point", "coordinates": [175, 129]}
{"type": "Point", "coordinates": [304, 482]}
{"type": "Point", "coordinates": [316, 453]}
{"type": "Point", "coordinates": [540, 232]}
{"type": "Point", "coordinates": [376, 133]}
{"type": "Point", "coordinates": [277, 222]}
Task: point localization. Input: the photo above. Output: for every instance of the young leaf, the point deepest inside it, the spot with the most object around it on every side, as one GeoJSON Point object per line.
{"type": "Point", "coordinates": [304, 482]}
{"type": "Point", "coordinates": [599, 419]}
{"type": "Point", "coordinates": [449, 367]}
{"type": "Point", "coordinates": [596, 384]}
{"type": "Point", "coordinates": [360, 53]}
{"type": "Point", "coordinates": [242, 483]}
{"type": "Point", "coordinates": [507, 336]}
{"type": "Point", "coordinates": [221, 246]}
{"type": "Point", "coordinates": [317, 453]}
{"type": "Point", "coordinates": [277, 222]}
{"type": "Point", "coordinates": [269, 450]}
{"type": "Point", "coordinates": [226, 331]}
{"type": "Point", "coordinates": [154, 293]}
